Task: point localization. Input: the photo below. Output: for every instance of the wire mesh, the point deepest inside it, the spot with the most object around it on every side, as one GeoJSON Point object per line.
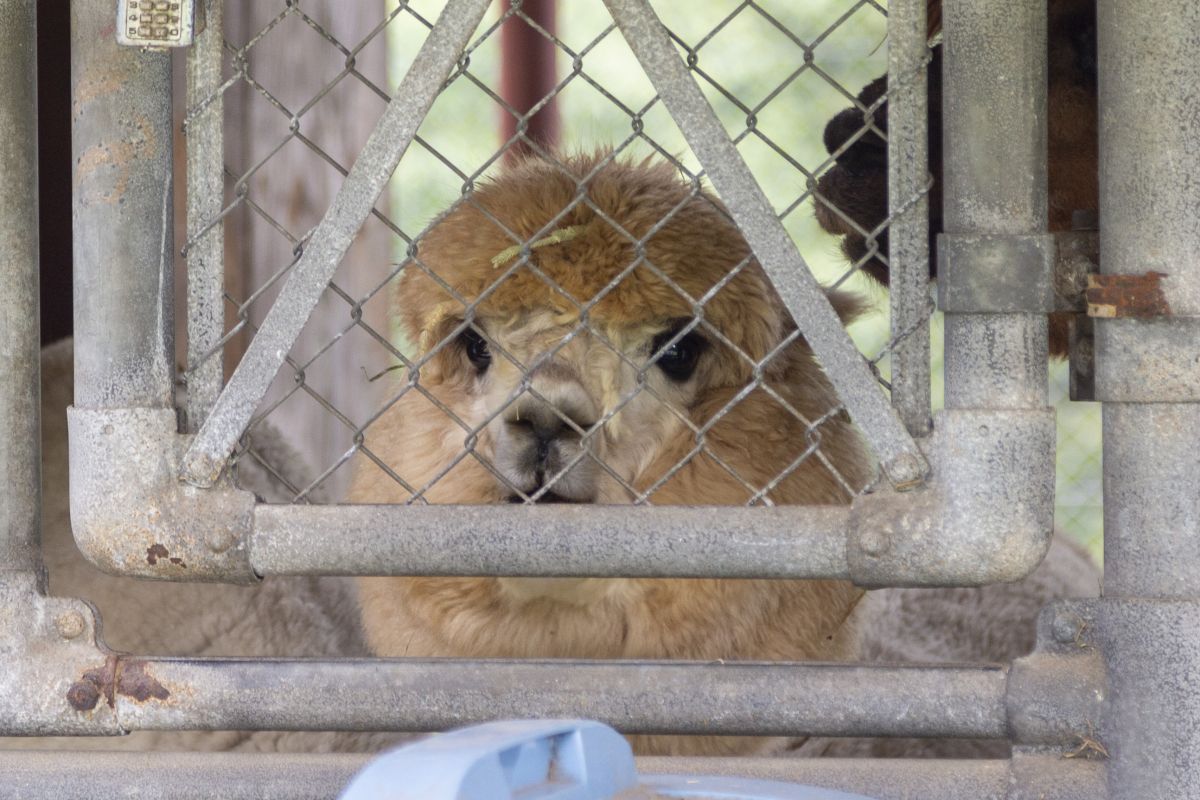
{"type": "Point", "coordinates": [774, 97]}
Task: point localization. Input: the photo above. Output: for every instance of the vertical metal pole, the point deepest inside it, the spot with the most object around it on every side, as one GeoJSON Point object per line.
{"type": "Point", "coordinates": [121, 150]}
{"type": "Point", "coordinates": [994, 117]}
{"type": "Point", "coordinates": [20, 423]}
{"type": "Point", "coordinates": [908, 187]}
{"type": "Point", "coordinates": [205, 196]}
{"type": "Point", "coordinates": [1150, 221]}
{"type": "Point", "coordinates": [528, 74]}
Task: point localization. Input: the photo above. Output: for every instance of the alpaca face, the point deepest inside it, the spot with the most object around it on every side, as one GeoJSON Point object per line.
{"type": "Point", "coordinates": [573, 414]}
{"type": "Point", "coordinates": [635, 352]}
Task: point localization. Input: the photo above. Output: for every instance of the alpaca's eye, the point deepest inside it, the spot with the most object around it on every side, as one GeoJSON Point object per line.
{"type": "Point", "coordinates": [476, 348]}
{"type": "Point", "coordinates": [678, 360]}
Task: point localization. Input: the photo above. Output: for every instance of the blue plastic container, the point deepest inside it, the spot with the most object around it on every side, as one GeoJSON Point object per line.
{"type": "Point", "coordinates": [545, 760]}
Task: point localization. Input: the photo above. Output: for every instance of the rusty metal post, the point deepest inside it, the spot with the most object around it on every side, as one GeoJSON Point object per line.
{"type": "Point", "coordinates": [527, 76]}
{"type": "Point", "coordinates": [121, 150]}
{"type": "Point", "coordinates": [20, 457]}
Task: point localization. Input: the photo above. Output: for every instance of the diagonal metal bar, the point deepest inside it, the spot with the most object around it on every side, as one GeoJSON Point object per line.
{"type": "Point", "coordinates": [749, 207]}
{"type": "Point", "coordinates": [206, 457]}
{"type": "Point", "coordinates": [205, 247]}
{"type": "Point", "coordinates": [908, 200]}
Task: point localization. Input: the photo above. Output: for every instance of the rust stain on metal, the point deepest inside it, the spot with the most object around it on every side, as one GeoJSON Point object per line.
{"type": "Point", "coordinates": [99, 682]}
{"type": "Point", "coordinates": [154, 552]}
{"type": "Point", "coordinates": [96, 84]}
{"type": "Point", "coordinates": [1127, 296]}
{"type": "Point", "coordinates": [133, 681]}
{"type": "Point", "coordinates": [83, 695]}
{"type": "Point", "coordinates": [102, 171]}
{"type": "Point", "coordinates": [118, 676]}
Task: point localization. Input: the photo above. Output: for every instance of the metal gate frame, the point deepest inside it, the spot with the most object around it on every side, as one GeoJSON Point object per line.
{"type": "Point", "coordinates": [979, 511]}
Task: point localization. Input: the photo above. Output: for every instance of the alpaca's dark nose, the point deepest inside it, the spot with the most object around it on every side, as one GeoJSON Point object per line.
{"type": "Point", "coordinates": [565, 419]}
{"type": "Point", "coordinates": [541, 444]}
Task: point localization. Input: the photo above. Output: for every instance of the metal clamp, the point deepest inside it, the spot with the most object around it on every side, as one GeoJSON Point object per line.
{"type": "Point", "coordinates": [996, 274]}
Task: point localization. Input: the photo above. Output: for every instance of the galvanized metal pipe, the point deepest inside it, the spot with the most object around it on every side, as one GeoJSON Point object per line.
{"type": "Point", "coordinates": [86, 775]}
{"type": "Point", "coordinates": [20, 408]}
{"type": "Point", "coordinates": [994, 118]}
{"type": "Point", "coordinates": [1150, 220]}
{"type": "Point", "coordinates": [121, 150]}
{"type": "Point", "coordinates": [551, 540]}
{"type": "Point", "coordinates": [205, 196]}
{"type": "Point", "coordinates": [320, 776]}
{"type": "Point", "coordinates": [908, 198]}
{"type": "Point", "coordinates": [1150, 619]}
{"type": "Point", "coordinates": [736, 699]}
{"type": "Point", "coordinates": [1046, 777]}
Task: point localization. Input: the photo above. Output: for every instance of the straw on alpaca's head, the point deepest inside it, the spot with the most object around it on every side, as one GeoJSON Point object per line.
{"type": "Point", "coordinates": [584, 374]}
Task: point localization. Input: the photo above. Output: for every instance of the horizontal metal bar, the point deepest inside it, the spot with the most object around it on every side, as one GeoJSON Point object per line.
{"type": "Point", "coordinates": [84, 775]}
{"type": "Point", "coordinates": [323, 253]}
{"type": "Point", "coordinates": [551, 540]}
{"type": "Point", "coordinates": [735, 699]}
{"type": "Point", "coordinates": [320, 776]}
{"type": "Point", "coordinates": [1043, 777]}
{"type": "Point", "coordinates": [750, 208]}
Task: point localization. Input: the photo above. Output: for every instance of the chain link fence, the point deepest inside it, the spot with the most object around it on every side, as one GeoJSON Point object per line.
{"type": "Point", "coordinates": [807, 62]}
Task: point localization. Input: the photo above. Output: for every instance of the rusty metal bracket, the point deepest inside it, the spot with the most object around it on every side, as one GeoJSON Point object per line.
{"type": "Point", "coordinates": [1127, 296]}
{"type": "Point", "coordinates": [48, 642]}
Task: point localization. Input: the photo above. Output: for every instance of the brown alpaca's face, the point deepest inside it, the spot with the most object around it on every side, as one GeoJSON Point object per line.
{"type": "Point", "coordinates": [571, 414]}
{"type": "Point", "coordinates": [578, 373]}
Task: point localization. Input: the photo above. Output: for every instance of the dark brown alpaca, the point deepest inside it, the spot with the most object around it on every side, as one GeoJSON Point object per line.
{"type": "Point", "coordinates": [852, 195]}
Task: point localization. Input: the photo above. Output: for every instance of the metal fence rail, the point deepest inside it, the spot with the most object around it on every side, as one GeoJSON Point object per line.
{"type": "Point", "coordinates": [234, 776]}
{"type": "Point", "coordinates": [968, 505]}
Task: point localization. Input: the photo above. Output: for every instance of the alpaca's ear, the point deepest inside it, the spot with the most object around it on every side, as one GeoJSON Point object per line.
{"type": "Point", "coordinates": [848, 305]}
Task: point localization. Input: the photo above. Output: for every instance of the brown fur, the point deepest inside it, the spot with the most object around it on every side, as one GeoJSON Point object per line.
{"type": "Point", "coordinates": [852, 195]}
{"type": "Point", "coordinates": [619, 618]}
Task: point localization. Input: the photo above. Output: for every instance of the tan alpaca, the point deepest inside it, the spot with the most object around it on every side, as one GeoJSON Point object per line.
{"type": "Point", "coordinates": [529, 442]}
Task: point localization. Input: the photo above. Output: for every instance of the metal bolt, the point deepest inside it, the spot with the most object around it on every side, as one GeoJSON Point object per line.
{"type": "Point", "coordinates": [1066, 627]}
{"type": "Point", "coordinates": [83, 695]}
{"type": "Point", "coordinates": [70, 624]}
{"type": "Point", "coordinates": [905, 472]}
{"type": "Point", "coordinates": [220, 540]}
{"type": "Point", "coordinates": [874, 542]}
